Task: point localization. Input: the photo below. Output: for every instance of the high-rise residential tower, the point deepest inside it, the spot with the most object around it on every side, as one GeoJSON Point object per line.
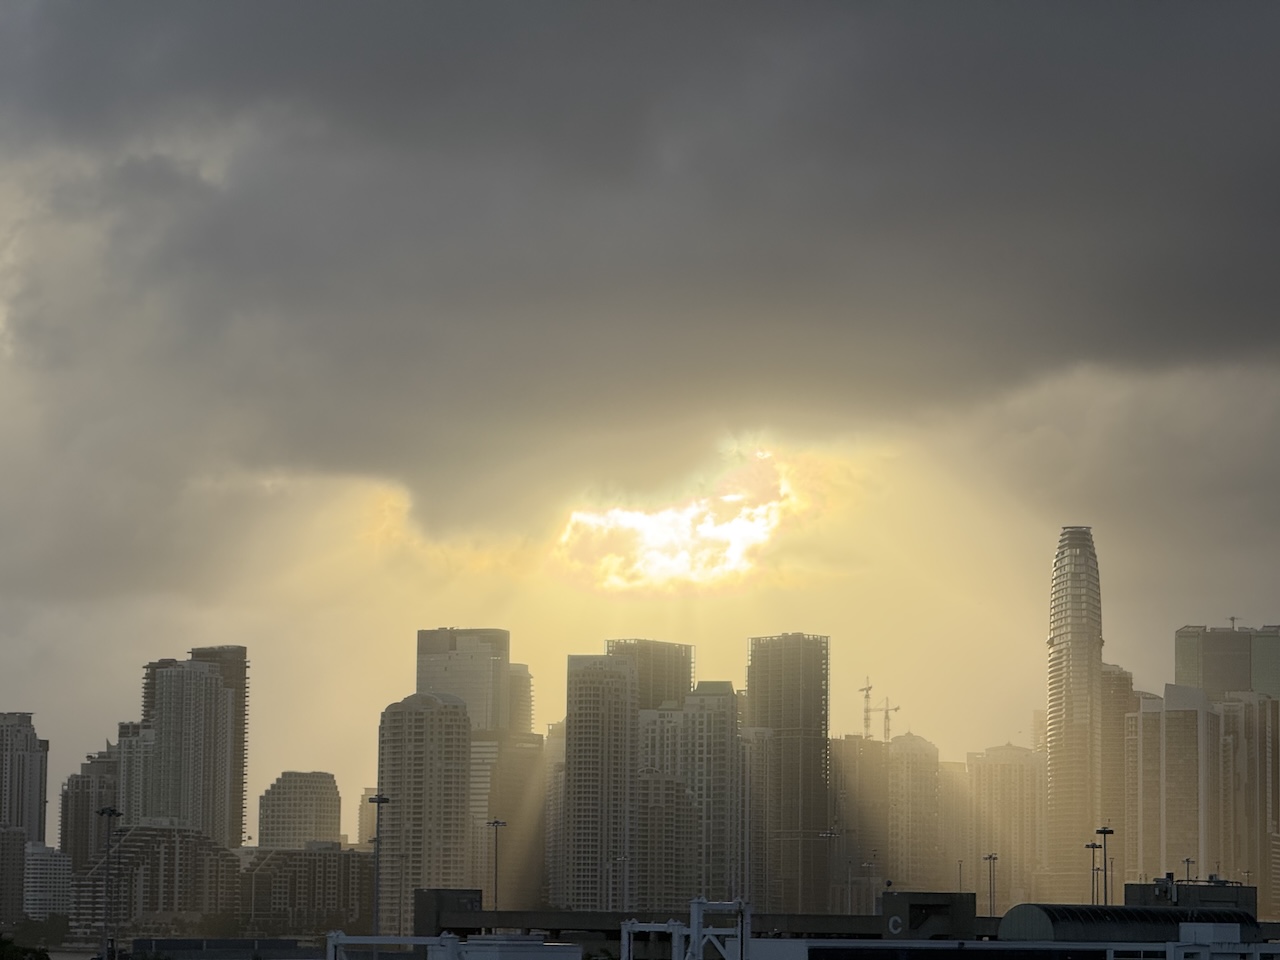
{"type": "Point", "coordinates": [424, 756]}
{"type": "Point", "coordinates": [597, 814]}
{"type": "Point", "coordinates": [1007, 796]}
{"type": "Point", "coordinates": [787, 710]}
{"type": "Point", "coordinates": [84, 833]}
{"type": "Point", "coordinates": [913, 859]}
{"type": "Point", "coordinates": [1175, 772]}
{"type": "Point", "coordinates": [1073, 716]}
{"type": "Point", "coordinates": [664, 671]}
{"type": "Point", "coordinates": [232, 663]}
{"type": "Point", "coordinates": [179, 763]}
{"type": "Point", "coordinates": [299, 808]}
{"type": "Point", "coordinates": [24, 775]}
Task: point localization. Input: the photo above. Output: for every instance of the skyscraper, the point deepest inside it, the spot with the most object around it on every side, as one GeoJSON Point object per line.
{"type": "Point", "coordinates": [913, 813]}
{"type": "Point", "coordinates": [299, 808]}
{"type": "Point", "coordinates": [1073, 715]}
{"type": "Point", "coordinates": [473, 664]}
{"type": "Point", "coordinates": [180, 762]}
{"type": "Point", "coordinates": [1006, 787]}
{"type": "Point", "coordinates": [232, 663]}
{"type": "Point", "coordinates": [860, 788]}
{"type": "Point", "coordinates": [664, 671]}
{"type": "Point", "coordinates": [1118, 701]}
{"type": "Point", "coordinates": [1175, 773]}
{"type": "Point", "coordinates": [787, 695]}
{"type": "Point", "coordinates": [424, 756]}
{"type": "Point", "coordinates": [1222, 660]}
{"type": "Point", "coordinates": [84, 833]}
{"type": "Point", "coordinates": [711, 768]}
{"type": "Point", "coordinates": [24, 775]}
{"type": "Point", "coordinates": [601, 743]}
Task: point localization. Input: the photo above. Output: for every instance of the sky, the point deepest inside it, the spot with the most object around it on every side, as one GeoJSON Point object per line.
{"type": "Point", "coordinates": [320, 324]}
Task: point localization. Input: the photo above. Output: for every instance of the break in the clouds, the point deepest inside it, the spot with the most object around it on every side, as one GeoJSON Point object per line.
{"type": "Point", "coordinates": [260, 262]}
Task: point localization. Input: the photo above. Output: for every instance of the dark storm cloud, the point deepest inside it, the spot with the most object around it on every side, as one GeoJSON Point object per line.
{"type": "Point", "coordinates": [433, 242]}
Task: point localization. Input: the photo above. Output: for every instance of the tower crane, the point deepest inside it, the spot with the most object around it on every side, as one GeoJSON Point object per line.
{"type": "Point", "coordinates": [886, 710]}
{"type": "Point", "coordinates": [868, 709]}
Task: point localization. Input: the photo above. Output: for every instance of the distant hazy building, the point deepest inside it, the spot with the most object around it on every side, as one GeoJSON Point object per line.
{"type": "Point", "coordinates": [1221, 660]}
{"type": "Point", "coordinates": [688, 815]}
{"type": "Point", "coordinates": [308, 891]}
{"type": "Point", "coordinates": [517, 797]}
{"type": "Point", "coordinates": [1175, 767]}
{"type": "Point", "coordinates": [860, 794]}
{"type": "Point", "coordinates": [520, 719]}
{"type": "Point", "coordinates": [913, 859]}
{"type": "Point", "coordinates": [664, 671]}
{"type": "Point", "coordinates": [711, 766]}
{"type": "Point", "coordinates": [46, 882]}
{"type": "Point", "coordinates": [1073, 715]}
{"type": "Point", "coordinates": [601, 728]}
{"type": "Point", "coordinates": [662, 867]}
{"type": "Point", "coordinates": [424, 759]}
{"type": "Point", "coordinates": [1118, 701]}
{"type": "Point", "coordinates": [367, 822]}
{"type": "Point", "coordinates": [158, 873]}
{"type": "Point", "coordinates": [135, 751]}
{"type": "Point", "coordinates": [83, 831]}
{"type": "Point", "coordinates": [956, 835]}
{"type": "Point", "coordinates": [1007, 788]}
{"type": "Point", "coordinates": [1251, 739]}
{"type": "Point", "coordinates": [473, 664]}
{"type": "Point", "coordinates": [300, 808]}
{"type": "Point", "coordinates": [556, 851]}
{"type": "Point", "coordinates": [13, 848]}
{"type": "Point", "coordinates": [788, 695]}
{"type": "Point", "coordinates": [24, 775]}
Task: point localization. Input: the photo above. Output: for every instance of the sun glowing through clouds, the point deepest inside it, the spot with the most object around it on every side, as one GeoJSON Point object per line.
{"type": "Point", "coordinates": [705, 540]}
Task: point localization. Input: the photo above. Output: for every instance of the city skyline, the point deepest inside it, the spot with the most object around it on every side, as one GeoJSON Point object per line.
{"type": "Point", "coordinates": [622, 322]}
{"type": "Point", "coordinates": [614, 808]}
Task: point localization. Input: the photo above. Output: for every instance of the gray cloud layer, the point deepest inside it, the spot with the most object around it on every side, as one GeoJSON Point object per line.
{"type": "Point", "coordinates": [447, 243]}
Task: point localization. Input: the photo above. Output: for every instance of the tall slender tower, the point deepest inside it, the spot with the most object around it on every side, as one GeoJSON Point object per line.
{"type": "Point", "coordinates": [787, 698]}
{"type": "Point", "coordinates": [1073, 718]}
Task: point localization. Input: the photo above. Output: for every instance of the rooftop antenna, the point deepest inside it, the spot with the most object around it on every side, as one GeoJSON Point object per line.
{"type": "Point", "coordinates": [1233, 621]}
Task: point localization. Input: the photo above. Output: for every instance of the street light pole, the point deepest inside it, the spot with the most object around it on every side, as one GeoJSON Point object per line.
{"type": "Point", "coordinates": [991, 859]}
{"type": "Point", "coordinates": [496, 824]}
{"type": "Point", "coordinates": [378, 800]}
{"type": "Point", "coordinates": [109, 882]}
{"type": "Point", "coordinates": [1105, 832]}
{"type": "Point", "coordinates": [1188, 862]}
{"type": "Point", "coordinates": [1093, 849]}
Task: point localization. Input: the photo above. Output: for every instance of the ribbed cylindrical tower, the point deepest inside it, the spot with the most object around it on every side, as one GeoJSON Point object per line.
{"type": "Point", "coordinates": [1073, 714]}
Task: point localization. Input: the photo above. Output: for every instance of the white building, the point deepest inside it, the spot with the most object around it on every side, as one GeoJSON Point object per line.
{"type": "Point", "coordinates": [424, 761]}
{"type": "Point", "coordinates": [46, 878]}
{"type": "Point", "coordinates": [1073, 716]}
